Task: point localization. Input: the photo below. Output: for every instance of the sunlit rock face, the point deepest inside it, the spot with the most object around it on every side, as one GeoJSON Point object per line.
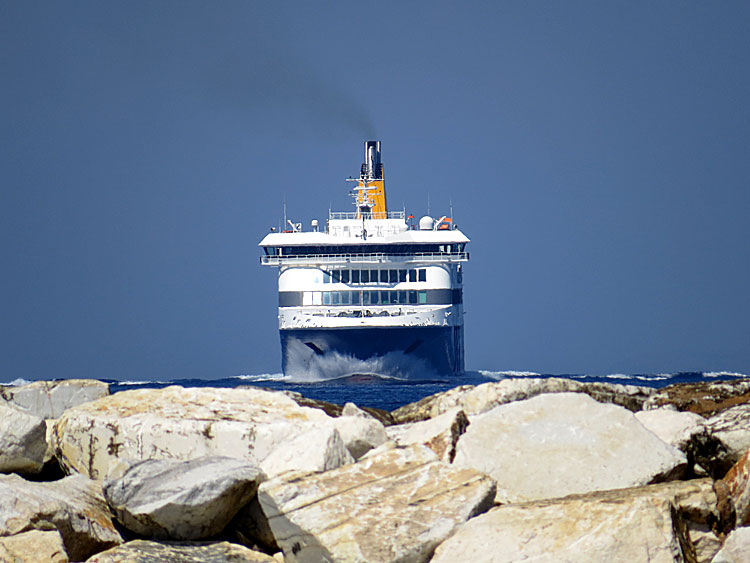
{"type": "Point", "coordinates": [23, 441]}
{"type": "Point", "coordinates": [564, 443]}
{"type": "Point", "coordinates": [397, 505]}
{"type": "Point", "coordinates": [104, 437]}
{"type": "Point", "coordinates": [49, 399]}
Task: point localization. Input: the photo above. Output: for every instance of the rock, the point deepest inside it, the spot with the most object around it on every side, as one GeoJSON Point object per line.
{"type": "Point", "coordinates": [360, 433]}
{"type": "Point", "coordinates": [74, 506]}
{"type": "Point", "coordinates": [142, 551]}
{"type": "Point", "coordinates": [102, 437]}
{"type": "Point", "coordinates": [183, 500]}
{"type": "Point", "coordinates": [317, 449]}
{"type": "Point", "coordinates": [737, 481]}
{"type": "Point", "coordinates": [32, 547]}
{"type": "Point", "coordinates": [350, 409]}
{"type": "Point", "coordinates": [736, 547]}
{"type": "Point", "coordinates": [705, 542]}
{"type": "Point", "coordinates": [476, 400]}
{"type": "Point", "coordinates": [573, 530]}
{"type": "Point", "coordinates": [49, 399]}
{"type": "Point", "coordinates": [732, 428]}
{"type": "Point", "coordinates": [555, 445]}
{"type": "Point", "coordinates": [440, 434]}
{"type": "Point", "coordinates": [23, 442]}
{"type": "Point", "coordinates": [396, 506]}
{"type": "Point", "coordinates": [673, 427]}
{"type": "Point", "coordinates": [705, 398]}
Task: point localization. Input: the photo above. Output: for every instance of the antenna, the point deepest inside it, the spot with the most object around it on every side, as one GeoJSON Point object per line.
{"type": "Point", "coordinates": [428, 203]}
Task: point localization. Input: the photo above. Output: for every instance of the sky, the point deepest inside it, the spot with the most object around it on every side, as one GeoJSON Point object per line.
{"type": "Point", "coordinates": [596, 153]}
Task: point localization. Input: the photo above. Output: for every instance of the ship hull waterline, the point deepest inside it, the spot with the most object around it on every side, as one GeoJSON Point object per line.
{"type": "Point", "coordinates": [401, 352]}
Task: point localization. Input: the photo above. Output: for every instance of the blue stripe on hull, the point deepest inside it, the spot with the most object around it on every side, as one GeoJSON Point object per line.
{"type": "Point", "coordinates": [406, 352]}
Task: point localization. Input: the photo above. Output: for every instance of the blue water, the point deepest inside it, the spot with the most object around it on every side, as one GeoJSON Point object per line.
{"type": "Point", "coordinates": [389, 393]}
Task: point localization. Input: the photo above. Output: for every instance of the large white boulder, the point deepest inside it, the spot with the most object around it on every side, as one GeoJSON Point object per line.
{"type": "Point", "coordinates": [49, 399]}
{"type": "Point", "coordinates": [574, 530]}
{"type": "Point", "coordinates": [736, 548]}
{"type": "Point", "coordinates": [182, 500]}
{"type": "Point", "coordinates": [74, 506]}
{"type": "Point", "coordinates": [732, 428]}
{"type": "Point", "coordinates": [317, 449]}
{"type": "Point", "coordinates": [144, 551]}
{"type": "Point", "coordinates": [559, 444]}
{"type": "Point", "coordinates": [360, 433]}
{"type": "Point", "coordinates": [394, 506]}
{"type": "Point", "coordinates": [673, 427]}
{"type": "Point", "coordinates": [33, 547]}
{"type": "Point", "coordinates": [103, 437]}
{"type": "Point", "coordinates": [23, 441]}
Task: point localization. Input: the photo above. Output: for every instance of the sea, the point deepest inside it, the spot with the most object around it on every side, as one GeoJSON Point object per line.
{"type": "Point", "coordinates": [389, 393]}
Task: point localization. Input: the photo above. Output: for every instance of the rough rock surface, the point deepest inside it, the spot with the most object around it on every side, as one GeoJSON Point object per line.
{"type": "Point", "coordinates": [572, 531]}
{"type": "Point", "coordinates": [736, 548]}
{"type": "Point", "coordinates": [732, 428]}
{"type": "Point", "coordinates": [332, 409]}
{"type": "Point", "coordinates": [705, 398]}
{"type": "Point", "coordinates": [440, 434]}
{"type": "Point", "coordinates": [360, 434]}
{"type": "Point", "coordinates": [101, 438]}
{"type": "Point", "coordinates": [49, 399]}
{"type": "Point", "coordinates": [317, 449]}
{"type": "Point", "coordinates": [33, 547]}
{"type": "Point", "coordinates": [182, 500]}
{"type": "Point", "coordinates": [395, 506]}
{"type": "Point", "coordinates": [74, 506]}
{"type": "Point", "coordinates": [475, 400]}
{"type": "Point", "coordinates": [559, 444]}
{"type": "Point", "coordinates": [23, 441]}
{"type": "Point", "coordinates": [737, 481]}
{"type": "Point", "coordinates": [143, 551]}
{"type": "Point", "coordinates": [673, 427]}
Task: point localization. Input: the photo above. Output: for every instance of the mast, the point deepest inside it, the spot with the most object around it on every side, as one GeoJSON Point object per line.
{"type": "Point", "coordinates": [370, 196]}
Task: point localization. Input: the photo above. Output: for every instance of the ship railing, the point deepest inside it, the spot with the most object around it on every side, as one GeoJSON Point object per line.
{"type": "Point", "coordinates": [418, 257]}
{"type": "Point", "coordinates": [339, 215]}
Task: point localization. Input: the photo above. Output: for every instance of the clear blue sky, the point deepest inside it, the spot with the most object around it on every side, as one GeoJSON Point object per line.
{"type": "Point", "coordinates": [596, 153]}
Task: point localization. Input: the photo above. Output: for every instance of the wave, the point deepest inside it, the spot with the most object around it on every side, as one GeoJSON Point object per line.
{"type": "Point", "coordinates": [507, 373]}
{"type": "Point", "coordinates": [723, 374]}
{"type": "Point", "coordinates": [261, 377]}
{"type": "Point", "coordinates": [17, 382]}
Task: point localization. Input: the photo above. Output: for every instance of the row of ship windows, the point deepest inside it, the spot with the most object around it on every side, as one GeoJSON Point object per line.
{"type": "Point", "coordinates": [381, 297]}
{"type": "Point", "coordinates": [380, 276]}
{"type": "Point", "coordinates": [374, 276]}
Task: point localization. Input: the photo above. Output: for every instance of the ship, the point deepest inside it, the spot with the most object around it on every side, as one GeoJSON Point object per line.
{"type": "Point", "coordinates": [373, 292]}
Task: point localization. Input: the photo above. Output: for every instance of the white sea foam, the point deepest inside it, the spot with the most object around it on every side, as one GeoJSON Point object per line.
{"type": "Point", "coordinates": [17, 382]}
{"type": "Point", "coordinates": [262, 377]}
{"type": "Point", "coordinates": [507, 373]}
{"type": "Point", "coordinates": [723, 374]}
{"type": "Point", "coordinates": [658, 377]}
{"type": "Point", "coordinates": [124, 383]}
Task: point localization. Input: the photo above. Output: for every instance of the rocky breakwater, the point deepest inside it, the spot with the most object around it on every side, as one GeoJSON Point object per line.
{"type": "Point", "coordinates": [523, 469]}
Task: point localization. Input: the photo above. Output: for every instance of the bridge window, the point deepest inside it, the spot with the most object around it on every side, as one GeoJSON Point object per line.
{"type": "Point", "coordinates": [422, 275]}
{"type": "Point", "coordinates": [355, 276]}
{"type": "Point", "coordinates": [402, 275]}
{"type": "Point", "coordinates": [383, 276]}
{"type": "Point", "coordinates": [326, 277]}
{"type": "Point", "coordinates": [355, 297]}
{"type": "Point", "coordinates": [422, 297]}
{"type": "Point", "coordinates": [393, 276]}
{"type": "Point", "coordinates": [412, 297]}
{"type": "Point", "coordinates": [412, 276]}
{"type": "Point", "coordinates": [344, 276]}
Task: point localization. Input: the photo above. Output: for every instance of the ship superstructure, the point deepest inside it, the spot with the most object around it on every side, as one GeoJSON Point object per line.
{"type": "Point", "coordinates": [374, 292]}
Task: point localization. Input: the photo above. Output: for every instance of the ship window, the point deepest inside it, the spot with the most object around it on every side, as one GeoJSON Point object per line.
{"type": "Point", "coordinates": [345, 297]}
{"type": "Point", "coordinates": [374, 297]}
{"type": "Point", "coordinates": [373, 276]}
{"type": "Point", "coordinates": [365, 276]}
{"type": "Point", "coordinates": [335, 276]}
{"type": "Point", "coordinates": [422, 296]}
{"type": "Point", "coordinates": [326, 298]}
{"type": "Point", "coordinates": [355, 297]}
{"type": "Point", "coordinates": [393, 276]}
{"type": "Point", "coordinates": [412, 276]}
{"type": "Point", "coordinates": [355, 276]}
{"type": "Point", "coordinates": [394, 297]}
{"type": "Point", "coordinates": [422, 275]}
{"type": "Point", "coordinates": [365, 298]}
{"type": "Point", "coordinates": [402, 297]}
{"type": "Point", "coordinates": [383, 276]}
{"type": "Point", "coordinates": [317, 297]}
{"type": "Point", "coordinates": [344, 276]}
{"type": "Point", "coordinates": [413, 297]}
{"type": "Point", "coordinates": [307, 298]}
{"type": "Point", "coordinates": [460, 275]}
{"type": "Point", "coordinates": [326, 277]}
{"type": "Point", "coordinates": [402, 275]}
{"type": "Point", "coordinates": [335, 297]}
